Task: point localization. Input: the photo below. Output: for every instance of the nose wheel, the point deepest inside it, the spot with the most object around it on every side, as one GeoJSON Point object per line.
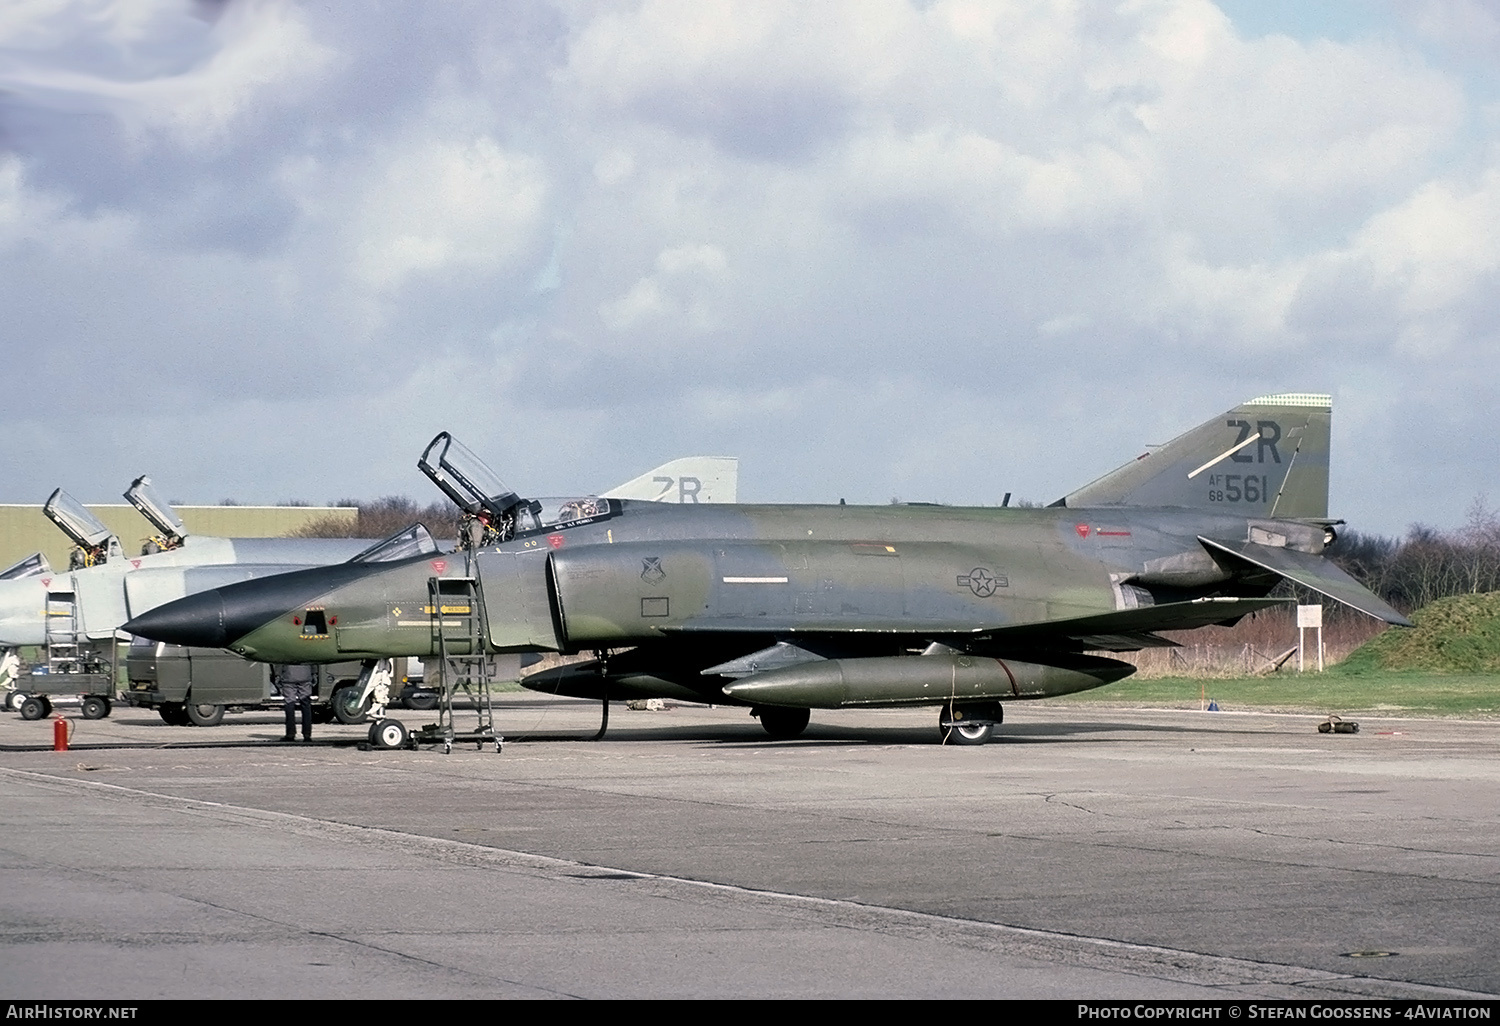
{"type": "Point", "coordinates": [388, 735]}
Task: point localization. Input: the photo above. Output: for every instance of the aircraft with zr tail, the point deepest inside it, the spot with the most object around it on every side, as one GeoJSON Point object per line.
{"type": "Point", "coordinates": [788, 608]}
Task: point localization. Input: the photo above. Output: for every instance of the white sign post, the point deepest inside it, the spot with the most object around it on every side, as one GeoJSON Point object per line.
{"type": "Point", "coordinates": [1309, 617]}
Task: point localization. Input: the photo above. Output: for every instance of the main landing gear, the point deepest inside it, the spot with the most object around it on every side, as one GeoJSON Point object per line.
{"type": "Point", "coordinates": [969, 723]}
{"type": "Point", "coordinates": [782, 723]}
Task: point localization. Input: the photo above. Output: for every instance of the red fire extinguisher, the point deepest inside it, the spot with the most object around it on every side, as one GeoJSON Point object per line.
{"type": "Point", "coordinates": [60, 734]}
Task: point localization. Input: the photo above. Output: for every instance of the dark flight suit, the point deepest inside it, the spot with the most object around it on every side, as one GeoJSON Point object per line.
{"type": "Point", "coordinates": [295, 682]}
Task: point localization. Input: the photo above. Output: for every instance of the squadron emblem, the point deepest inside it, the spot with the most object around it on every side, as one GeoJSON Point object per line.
{"type": "Point", "coordinates": [651, 571]}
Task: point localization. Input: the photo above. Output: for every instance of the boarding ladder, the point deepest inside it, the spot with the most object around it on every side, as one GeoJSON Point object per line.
{"type": "Point", "coordinates": [75, 665]}
{"type": "Point", "coordinates": [455, 609]}
{"type": "Point", "coordinates": [63, 655]}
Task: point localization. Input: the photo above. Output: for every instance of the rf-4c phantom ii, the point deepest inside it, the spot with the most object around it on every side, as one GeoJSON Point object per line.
{"type": "Point", "coordinates": [74, 615]}
{"type": "Point", "coordinates": [787, 608]}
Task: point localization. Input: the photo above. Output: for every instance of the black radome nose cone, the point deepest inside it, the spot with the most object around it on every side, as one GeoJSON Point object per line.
{"type": "Point", "coordinates": [197, 621]}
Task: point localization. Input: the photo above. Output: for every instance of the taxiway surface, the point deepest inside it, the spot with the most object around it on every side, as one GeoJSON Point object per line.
{"type": "Point", "coordinates": [1088, 852]}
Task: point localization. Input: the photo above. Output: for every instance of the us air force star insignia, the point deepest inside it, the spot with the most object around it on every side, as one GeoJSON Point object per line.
{"type": "Point", "coordinates": [981, 582]}
{"type": "Point", "coordinates": [651, 571]}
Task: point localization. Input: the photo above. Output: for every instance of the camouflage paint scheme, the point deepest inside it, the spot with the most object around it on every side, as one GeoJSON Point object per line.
{"type": "Point", "coordinates": [790, 607]}
{"type": "Point", "coordinates": [104, 596]}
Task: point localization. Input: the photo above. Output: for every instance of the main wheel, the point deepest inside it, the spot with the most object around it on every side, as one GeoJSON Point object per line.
{"type": "Point", "coordinates": [784, 723]}
{"type": "Point", "coordinates": [421, 700]}
{"type": "Point", "coordinates": [203, 714]}
{"type": "Point", "coordinates": [389, 734]}
{"type": "Point", "coordinates": [967, 734]}
{"type": "Point", "coordinates": [33, 708]}
{"type": "Point", "coordinates": [347, 706]}
{"type": "Point", "coordinates": [95, 708]}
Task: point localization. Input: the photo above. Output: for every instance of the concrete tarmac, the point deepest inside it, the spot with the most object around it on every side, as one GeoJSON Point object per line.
{"type": "Point", "coordinates": [1086, 853]}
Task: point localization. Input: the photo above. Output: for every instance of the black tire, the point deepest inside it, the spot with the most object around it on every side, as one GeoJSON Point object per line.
{"type": "Point", "coordinates": [389, 735]}
{"type": "Point", "coordinates": [784, 724]}
{"type": "Point", "coordinates": [346, 707]}
{"type": "Point", "coordinates": [203, 714]}
{"type": "Point", "coordinates": [967, 734]}
{"type": "Point", "coordinates": [13, 700]}
{"type": "Point", "coordinates": [33, 708]}
{"type": "Point", "coordinates": [421, 700]}
{"type": "Point", "coordinates": [95, 708]}
{"type": "Point", "coordinates": [174, 714]}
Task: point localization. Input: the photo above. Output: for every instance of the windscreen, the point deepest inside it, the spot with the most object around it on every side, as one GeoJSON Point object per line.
{"type": "Point", "coordinates": [154, 508]}
{"type": "Point", "coordinates": [75, 520]}
{"type": "Point", "coordinates": [414, 541]}
{"type": "Point", "coordinates": [31, 566]}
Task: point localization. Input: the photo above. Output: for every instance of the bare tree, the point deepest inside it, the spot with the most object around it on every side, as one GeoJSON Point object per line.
{"type": "Point", "coordinates": [382, 518]}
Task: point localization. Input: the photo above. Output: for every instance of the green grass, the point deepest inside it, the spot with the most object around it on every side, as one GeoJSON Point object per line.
{"type": "Point", "coordinates": [1448, 664]}
{"type": "Point", "coordinates": [1452, 635]}
{"type": "Point", "coordinates": [1397, 693]}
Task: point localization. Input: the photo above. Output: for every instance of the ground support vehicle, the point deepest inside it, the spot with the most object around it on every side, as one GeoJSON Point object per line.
{"type": "Point", "coordinates": [198, 686]}
{"type": "Point", "coordinates": [85, 669]}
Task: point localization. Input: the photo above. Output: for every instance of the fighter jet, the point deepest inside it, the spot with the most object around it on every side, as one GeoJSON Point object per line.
{"type": "Point", "coordinates": [787, 608]}
{"type": "Point", "coordinates": [106, 587]}
{"type": "Point", "coordinates": [103, 586]}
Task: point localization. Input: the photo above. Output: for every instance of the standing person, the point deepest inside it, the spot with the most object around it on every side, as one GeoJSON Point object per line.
{"type": "Point", "coordinates": [295, 682]}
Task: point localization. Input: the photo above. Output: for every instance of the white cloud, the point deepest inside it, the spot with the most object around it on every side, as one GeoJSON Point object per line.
{"type": "Point", "coordinates": [681, 290]}
{"type": "Point", "coordinates": [442, 206]}
{"type": "Point", "coordinates": [34, 219]}
{"type": "Point", "coordinates": [259, 51]}
{"type": "Point", "coordinates": [1439, 247]}
{"type": "Point", "coordinates": [859, 241]}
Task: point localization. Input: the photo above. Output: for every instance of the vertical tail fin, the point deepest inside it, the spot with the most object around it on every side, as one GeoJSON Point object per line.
{"type": "Point", "coordinates": [690, 479]}
{"type": "Point", "coordinates": [1265, 458]}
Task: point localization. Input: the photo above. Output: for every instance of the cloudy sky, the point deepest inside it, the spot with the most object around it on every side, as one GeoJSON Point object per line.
{"type": "Point", "coordinates": [935, 249]}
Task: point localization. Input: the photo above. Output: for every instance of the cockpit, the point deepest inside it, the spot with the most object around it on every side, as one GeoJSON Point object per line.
{"type": "Point", "coordinates": [94, 543]}
{"type": "Point", "coordinates": [492, 512]}
{"type": "Point", "coordinates": [171, 532]}
{"type": "Point", "coordinates": [555, 514]}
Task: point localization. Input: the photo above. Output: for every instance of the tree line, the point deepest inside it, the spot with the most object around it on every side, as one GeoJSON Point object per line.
{"type": "Point", "coordinates": [381, 518]}
{"type": "Point", "coordinates": [1427, 563]}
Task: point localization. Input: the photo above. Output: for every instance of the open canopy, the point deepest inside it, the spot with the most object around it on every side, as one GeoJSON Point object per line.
{"type": "Point", "coordinates": [76, 521]}
{"type": "Point", "coordinates": [465, 478]}
{"type": "Point", "coordinates": [154, 508]}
